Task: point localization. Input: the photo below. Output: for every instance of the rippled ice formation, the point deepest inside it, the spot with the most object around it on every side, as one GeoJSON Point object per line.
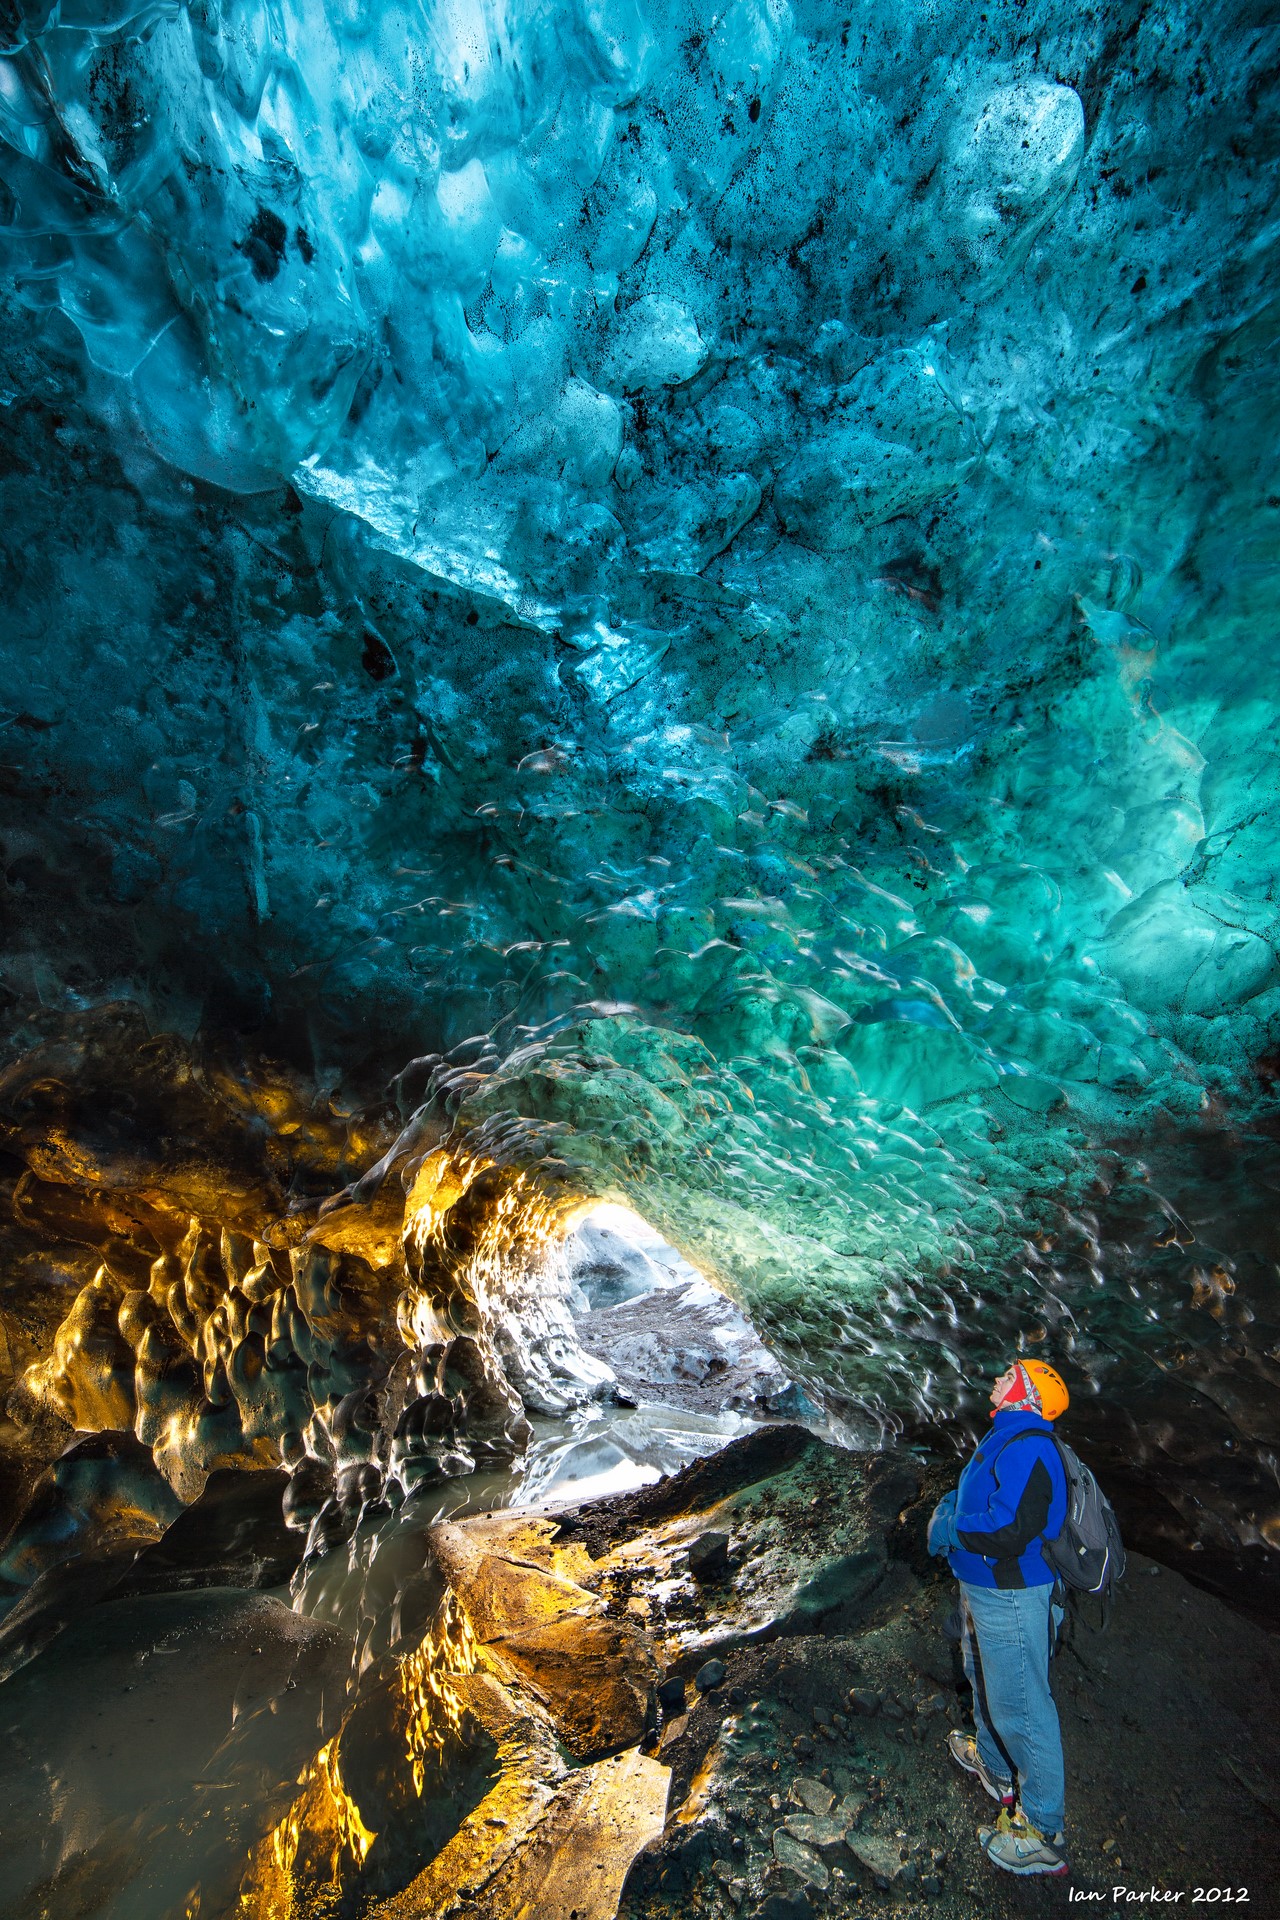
{"type": "Point", "coordinates": [722, 558]}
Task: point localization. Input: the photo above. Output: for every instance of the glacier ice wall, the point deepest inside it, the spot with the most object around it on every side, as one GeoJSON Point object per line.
{"type": "Point", "coordinates": [718, 568]}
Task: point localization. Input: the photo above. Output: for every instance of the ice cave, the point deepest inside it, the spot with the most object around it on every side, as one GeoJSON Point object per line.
{"type": "Point", "coordinates": [640, 842]}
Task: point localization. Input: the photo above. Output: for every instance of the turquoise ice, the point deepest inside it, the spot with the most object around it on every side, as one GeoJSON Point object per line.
{"type": "Point", "coordinates": [727, 559]}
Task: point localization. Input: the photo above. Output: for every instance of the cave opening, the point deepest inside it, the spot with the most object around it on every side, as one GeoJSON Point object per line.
{"type": "Point", "coordinates": [689, 1372]}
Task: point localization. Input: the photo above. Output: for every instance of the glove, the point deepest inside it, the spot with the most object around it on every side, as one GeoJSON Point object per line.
{"type": "Point", "coordinates": [942, 1527]}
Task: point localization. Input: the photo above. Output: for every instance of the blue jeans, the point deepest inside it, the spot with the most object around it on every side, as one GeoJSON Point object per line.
{"type": "Point", "coordinates": [1013, 1710]}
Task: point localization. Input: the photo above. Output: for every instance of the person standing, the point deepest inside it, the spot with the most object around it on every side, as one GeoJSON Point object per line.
{"type": "Point", "coordinates": [1012, 1497]}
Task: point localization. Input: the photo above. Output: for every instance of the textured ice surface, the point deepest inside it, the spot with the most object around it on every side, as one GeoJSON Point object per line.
{"type": "Point", "coordinates": [727, 560]}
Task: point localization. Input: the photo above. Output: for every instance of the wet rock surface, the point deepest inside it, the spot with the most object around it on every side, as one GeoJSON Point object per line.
{"type": "Point", "coordinates": [595, 1672]}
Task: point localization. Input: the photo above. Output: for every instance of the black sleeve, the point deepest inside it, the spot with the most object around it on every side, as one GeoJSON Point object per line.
{"type": "Point", "coordinates": [1009, 1541]}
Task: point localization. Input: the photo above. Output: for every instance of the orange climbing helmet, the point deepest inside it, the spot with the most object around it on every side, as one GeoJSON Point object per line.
{"type": "Point", "coordinates": [1045, 1389]}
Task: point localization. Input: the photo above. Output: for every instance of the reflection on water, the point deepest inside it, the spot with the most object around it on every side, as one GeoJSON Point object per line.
{"type": "Point", "coordinates": [378, 1586]}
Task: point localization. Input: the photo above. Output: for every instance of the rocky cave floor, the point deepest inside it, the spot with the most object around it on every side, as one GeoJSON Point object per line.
{"type": "Point", "coordinates": [813, 1778]}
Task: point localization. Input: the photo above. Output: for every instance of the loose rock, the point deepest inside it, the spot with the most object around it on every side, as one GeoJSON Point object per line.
{"type": "Point", "coordinates": [709, 1557]}
{"type": "Point", "coordinates": [824, 1834]}
{"type": "Point", "coordinates": [812, 1795]}
{"type": "Point", "coordinates": [792, 1853]}
{"type": "Point", "coordinates": [882, 1857]}
{"type": "Point", "coordinates": [671, 1694]}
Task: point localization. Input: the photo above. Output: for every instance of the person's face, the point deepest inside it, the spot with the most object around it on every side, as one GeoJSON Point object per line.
{"type": "Point", "coordinates": [1007, 1379]}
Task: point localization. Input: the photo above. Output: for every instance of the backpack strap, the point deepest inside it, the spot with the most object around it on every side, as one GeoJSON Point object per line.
{"type": "Point", "coordinates": [1055, 1443]}
{"type": "Point", "coordinates": [1031, 1434]}
{"type": "Point", "coordinates": [1072, 1598]}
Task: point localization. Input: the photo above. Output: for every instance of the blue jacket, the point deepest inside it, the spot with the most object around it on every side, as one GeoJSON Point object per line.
{"type": "Point", "coordinates": [1012, 1496]}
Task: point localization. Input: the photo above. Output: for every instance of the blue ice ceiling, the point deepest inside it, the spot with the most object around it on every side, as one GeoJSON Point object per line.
{"type": "Point", "coordinates": [732, 553]}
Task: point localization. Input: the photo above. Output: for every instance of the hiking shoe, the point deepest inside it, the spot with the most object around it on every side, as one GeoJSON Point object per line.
{"type": "Point", "coordinates": [1014, 1844]}
{"type": "Point", "coordinates": [963, 1749]}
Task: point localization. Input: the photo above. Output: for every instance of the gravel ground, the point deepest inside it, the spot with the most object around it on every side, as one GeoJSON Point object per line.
{"type": "Point", "coordinates": [1171, 1722]}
